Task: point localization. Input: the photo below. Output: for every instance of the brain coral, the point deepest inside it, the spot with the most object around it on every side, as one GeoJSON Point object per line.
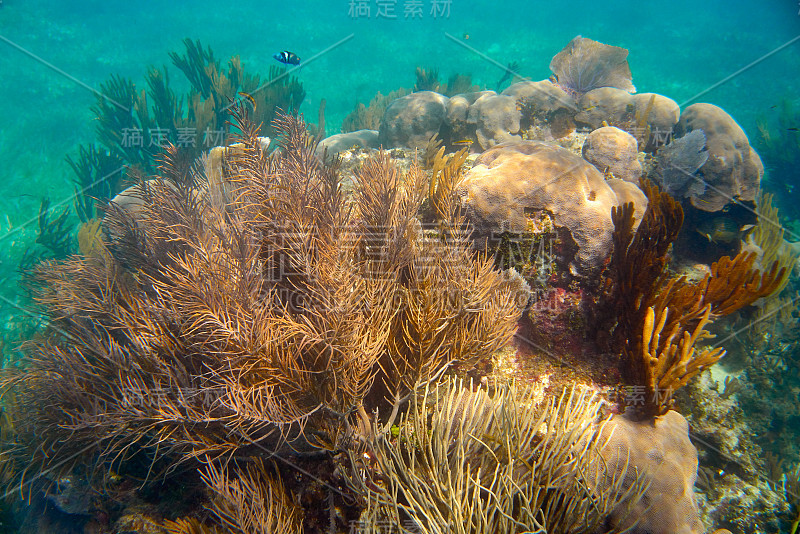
{"type": "Point", "coordinates": [647, 115]}
{"type": "Point", "coordinates": [733, 170]}
{"type": "Point", "coordinates": [659, 449]}
{"type": "Point", "coordinates": [496, 118]}
{"type": "Point", "coordinates": [518, 178]}
{"type": "Point", "coordinates": [545, 106]}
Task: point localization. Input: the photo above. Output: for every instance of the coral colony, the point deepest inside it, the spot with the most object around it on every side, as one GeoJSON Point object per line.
{"type": "Point", "coordinates": [486, 325]}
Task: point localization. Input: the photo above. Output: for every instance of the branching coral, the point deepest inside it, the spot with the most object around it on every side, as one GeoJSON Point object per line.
{"type": "Point", "coordinates": [445, 177]}
{"type": "Point", "coordinates": [660, 318]}
{"type": "Point", "coordinates": [463, 461]}
{"type": "Point", "coordinates": [252, 501]}
{"type": "Point", "coordinates": [277, 320]}
{"type": "Point", "coordinates": [768, 236]}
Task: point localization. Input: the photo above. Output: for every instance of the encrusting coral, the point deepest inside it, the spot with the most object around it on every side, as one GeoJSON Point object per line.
{"type": "Point", "coordinates": [276, 321]}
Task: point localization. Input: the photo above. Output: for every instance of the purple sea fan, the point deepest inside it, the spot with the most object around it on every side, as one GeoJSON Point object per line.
{"type": "Point", "coordinates": [678, 163]}
{"type": "Point", "coordinates": [585, 64]}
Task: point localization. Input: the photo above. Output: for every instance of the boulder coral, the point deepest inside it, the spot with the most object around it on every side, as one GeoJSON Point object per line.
{"type": "Point", "coordinates": [496, 118]}
{"type": "Point", "coordinates": [662, 453]}
{"type": "Point", "coordinates": [613, 151]}
{"type": "Point", "coordinates": [344, 141]}
{"type": "Point", "coordinates": [411, 120]}
{"type": "Point", "coordinates": [733, 169]}
{"type": "Point", "coordinates": [516, 179]}
{"type": "Point", "coordinates": [649, 117]}
{"type": "Point", "coordinates": [545, 107]}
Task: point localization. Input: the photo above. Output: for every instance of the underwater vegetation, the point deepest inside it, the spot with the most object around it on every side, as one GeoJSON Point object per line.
{"type": "Point", "coordinates": [496, 470]}
{"type": "Point", "coordinates": [292, 340]}
{"type": "Point", "coordinates": [135, 125]}
{"type": "Point", "coordinates": [211, 328]}
{"type": "Point", "coordinates": [660, 317]}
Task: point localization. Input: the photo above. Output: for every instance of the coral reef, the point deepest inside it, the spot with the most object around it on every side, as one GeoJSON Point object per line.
{"type": "Point", "coordinates": [613, 152]}
{"type": "Point", "coordinates": [301, 335]}
{"type": "Point", "coordinates": [585, 64]}
{"type": "Point", "coordinates": [514, 180]}
{"type": "Point", "coordinates": [732, 171]}
{"type": "Point", "coordinates": [275, 322]}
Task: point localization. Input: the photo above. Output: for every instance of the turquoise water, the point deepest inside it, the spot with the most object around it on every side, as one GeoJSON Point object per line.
{"type": "Point", "coordinates": [52, 54]}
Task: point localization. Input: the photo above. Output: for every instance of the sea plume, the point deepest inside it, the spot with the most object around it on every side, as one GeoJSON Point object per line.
{"type": "Point", "coordinates": [250, 305]}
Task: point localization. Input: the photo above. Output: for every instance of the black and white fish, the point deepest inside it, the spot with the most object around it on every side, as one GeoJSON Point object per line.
{"type": "Point", "coordinates": [287, 58]}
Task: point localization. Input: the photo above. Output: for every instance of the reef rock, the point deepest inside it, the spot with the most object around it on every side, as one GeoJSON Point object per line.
{"type": "Point", "coordinates": [519, 179]}
{"type": "Point", "coordinates": [344, 141]}
{"type": "Point", "coordinates": [613, 150]}
{"type": "Point", "coordinates": [660, 451]}
{"type": "Point", "coordinates": [733, 170]}
{"type": "Point", "coordinates": [410, 121]}
{"type": "Point", "coordinates": [545, 107]}
{"type": "Point", "coordinates": [496, 119]}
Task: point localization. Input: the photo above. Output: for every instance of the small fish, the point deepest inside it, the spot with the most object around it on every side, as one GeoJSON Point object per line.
{"type": "Point", "coordinates": [287, 58]}
{"type": "Point", "coordinates": [724, 230]}
{"type": "Point", "coordinates": [464, 142]}
{"type": "Point", "coordinates": [793, 129]}
{"type": "Point", "coordinates": [466, 37]}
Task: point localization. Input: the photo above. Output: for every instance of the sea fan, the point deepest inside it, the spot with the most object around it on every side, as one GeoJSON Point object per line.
{"type": "Point", "coordinates": [679, 161]}
{"type": "Point", "coordinates": [585, 64]}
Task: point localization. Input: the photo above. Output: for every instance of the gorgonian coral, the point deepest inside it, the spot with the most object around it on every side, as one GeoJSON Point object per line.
{"type": "Point", "coordinates": [274, 314]}
{"type": "Point", "coordinates": [678, 162]}
{"type": "Point", "coordinates": [585, 64]}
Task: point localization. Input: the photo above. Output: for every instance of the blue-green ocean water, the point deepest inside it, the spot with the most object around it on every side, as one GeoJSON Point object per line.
{"type": "Point", "coordinates": [53, 53]}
